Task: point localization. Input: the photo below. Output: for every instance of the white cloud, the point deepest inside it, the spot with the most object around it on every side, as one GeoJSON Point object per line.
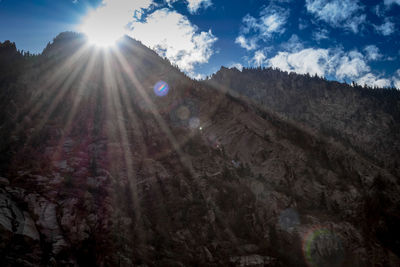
{"type": "Point", "coordinates": [356, 22]}
{"type": "Point", "coordinates": [396, 83]}
{"type": "Point", "coordinates": [313, 61]}
{"type": "Point", "coordinates": [372, 52]}
{"type": "Point", "coordinates": [386, 28]}
{"type": "Point", "coordinates": [337, 63]}
{"type": "Point", "coordinates": [293, 44]}
{"type": "Point", "coordinates": [198, 76]}
{"type": "Point", "coordinates": [194, 5]}
{"type": "Point", "coordinates": [373, 81]}
{"type": "Point", "coordinates": [249, 23]}
{"type": "Point", "coordinates": [396, 80]}
{"type": "Point", "coordinates": [169, 33]}
{"type": "Point", "coordinates": [237, 66]}
{"type": "Point", "coordinates": [123, 10]}
{"type": "Point", "coordinates": [390, 2]}
{"type": "Point", "coordinates": [172, 35]}
{"type": "Point", "coordinates": [332, 11]}
{"type": "Point", "coordinates": [259, 58]}
{"type": "Point", "coordinates": [248, 44]}
{"type": "Point", "coordinates": [320, 34]}
{"type": "Point", "coordinates": [270, 22]}
{"type": "Point", "coordinates": [352, 66]}
{"type": "Point", "coordinates": [322, 62]}
{"type": "Point", "coordinates": [337, 13]}
{"type": "Point", "coordinates": [109, 21]}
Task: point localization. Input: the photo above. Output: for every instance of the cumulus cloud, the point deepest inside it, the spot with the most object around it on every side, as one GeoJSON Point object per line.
{"type": "Point", "coordinates": [169, 33]}
{"type": "Point", "coordinates": [337, 13]}
{"type": "Point", "coordinates": [270, 22]}
{"type": "Point", "coordinates": [373, 81]}
{"type": "Point", "coordinates": [313, 61]}
{"type": "Point", "coordinates": [386, 28]}
{"type": "Point", "coordinates": [352, 65]}
{"type": "Point", "coordinates": [172, 35]}
{"type": "Point", "coordinates": [372, 52]}
{"type": "Point", "coordinates": [321, 62]}
{"type": "Point", "coordinates": [333, 62]}
{"type": "Point", "coordinates": [194, 5]}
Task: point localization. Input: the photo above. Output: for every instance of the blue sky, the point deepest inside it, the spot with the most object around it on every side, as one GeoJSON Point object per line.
{"type": "Point", "coordinates": [342, 40]}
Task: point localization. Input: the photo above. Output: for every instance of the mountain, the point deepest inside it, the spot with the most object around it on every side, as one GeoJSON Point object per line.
{"type": "Point", "coordinates": [98, 170]}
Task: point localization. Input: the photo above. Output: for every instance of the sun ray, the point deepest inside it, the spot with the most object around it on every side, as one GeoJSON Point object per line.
{"type": "Point", "coordinates": [128, 70]}
{"type": "Point", "coordinates": [163, 126]}
{"type": "Point", "coordinates": [133, 118]}
{"type": "Point", "coordinates": [55, 101]}
{"type": "Point", "coordinates": [77, 99]}
{"type": "Point", "coordinates": [112, 90]}
{"type": "Point", "coordinates": [85, 78]}
{"type": "Point", "coordinates": [61, 94]}
{"type": "Point", "coordinates": [59, 76]}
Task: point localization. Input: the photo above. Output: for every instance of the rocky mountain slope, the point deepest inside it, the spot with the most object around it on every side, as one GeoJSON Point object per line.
{"type": "Point", "coordinates": [97, 170]}
{"type": "Point", "coordinates": [366, 119]}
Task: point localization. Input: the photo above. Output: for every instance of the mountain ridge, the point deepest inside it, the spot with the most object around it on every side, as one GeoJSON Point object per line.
{"type": "Point", "coordinates": [107, 173]}
{"type": "Point", "coordinates": [348, 104]}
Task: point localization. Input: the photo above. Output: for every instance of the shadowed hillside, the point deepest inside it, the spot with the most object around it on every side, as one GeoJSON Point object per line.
{"type": "Point", "coordinates": [365, 119]}
{"type": "Point", "coordinates": [97, 170]}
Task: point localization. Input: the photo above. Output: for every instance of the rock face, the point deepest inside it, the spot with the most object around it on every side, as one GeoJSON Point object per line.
{"type": "Point", "coordinates": [102, 172]}
{"type": "Point", "coordinates": [20, 238]}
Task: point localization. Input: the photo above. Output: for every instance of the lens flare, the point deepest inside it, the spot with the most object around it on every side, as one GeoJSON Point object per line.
{"type": "Point", "coordinates": [161, 88]}
{"type": "Point", "coordinates": [185, 113]}
{"type": "Point", "coordinates": [322, 247]}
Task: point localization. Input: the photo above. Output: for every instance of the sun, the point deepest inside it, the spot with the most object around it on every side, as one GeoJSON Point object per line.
{"type": "Point", "coordinates": [102, 38]}
{"type": "Point", "coordinates": [102, 28]}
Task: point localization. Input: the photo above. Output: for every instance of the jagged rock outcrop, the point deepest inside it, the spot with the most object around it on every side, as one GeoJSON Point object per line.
{"type": "Point", "coordinates": [113, 175]}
